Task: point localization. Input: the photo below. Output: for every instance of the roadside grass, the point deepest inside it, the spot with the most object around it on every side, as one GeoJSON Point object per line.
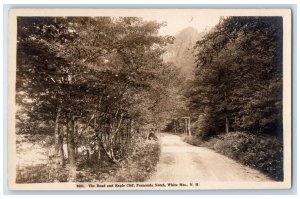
{"type": "Point", "coordinates": [40, 173]}
{"type": "Point", "coordinates": [261, 152]}
{"type": "Point", "coordinates": [32, 174]}
{"type": "Point", "coordinates": [138, 166]}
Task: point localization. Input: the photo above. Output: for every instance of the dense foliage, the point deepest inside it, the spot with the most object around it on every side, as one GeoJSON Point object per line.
{"type": "Point", "coordinates": [261, 152]}
{"type": "Point", "coordinates": [236, 95]}
{"type": "Point", "coordinates": [95, 84]}
{"type": "Point", "coordinates": [238, 77]}
{"type": "Point", "coordinates": [91, 90]}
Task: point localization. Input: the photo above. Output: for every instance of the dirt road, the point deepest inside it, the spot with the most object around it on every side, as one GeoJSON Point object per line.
{"type": "Point", "coordinates": [182, 162]}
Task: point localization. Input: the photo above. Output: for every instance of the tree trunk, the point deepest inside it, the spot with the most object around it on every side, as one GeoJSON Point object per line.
{"type": "Point", "coordinates": [175, 127]}
{"type": "Point", "coordinates": [108, 152]}
{"type": "Point", "coordinates": [75, 136]}
{"type": "Point", "coordinates": [185, 126]}
{"type": "Point", "coordinates": [68, 139]}
{"type": "Point", "coordinates": [88, 156]}
{"type": "Point", "coordinates": [116, 138]}
{"type": "Point", "coordinates": [61, 143]}
{"type": "Point", "coordinates": [130, 129]}
{"type": "Point", "coordinates": [72, 158]}
{"type": "Point", "coordinates": [99, 150]}
{"type": "Point", "coordinates": [226, 124]}
{"type": "Point", "coordinates": [226, 115]}
{"type": "Point", "coordinates": [56, 132]}
{"type": "Point", "coordinates": [189, 126]}
{"type": "Point", "coordinates": [57, 153]}
{"type": "Point", "coordinates": [111, 151]}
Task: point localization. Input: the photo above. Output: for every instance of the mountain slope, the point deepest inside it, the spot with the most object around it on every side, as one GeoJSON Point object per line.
{"type": "Point", "coordinates": [181, 51]}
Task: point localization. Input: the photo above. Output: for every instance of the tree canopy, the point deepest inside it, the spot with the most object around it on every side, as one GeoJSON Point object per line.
{"type": "Point", "coordinates": [92, 80]}
{"type": "Point", "coordinates": [238, 80]}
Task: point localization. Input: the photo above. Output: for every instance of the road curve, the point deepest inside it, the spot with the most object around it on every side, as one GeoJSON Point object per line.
{"type": "Point", "coordinates": [182, 162]}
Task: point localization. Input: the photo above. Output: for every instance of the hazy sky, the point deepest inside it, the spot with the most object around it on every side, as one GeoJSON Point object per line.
{"type": "Point", "coordinates": [177, 19]}
{"type": "Point", "coordinates": [180, 21]}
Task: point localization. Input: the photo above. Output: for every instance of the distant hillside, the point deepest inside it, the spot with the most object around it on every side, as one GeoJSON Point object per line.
{"type": "Point", "coordinates": [181, 51]}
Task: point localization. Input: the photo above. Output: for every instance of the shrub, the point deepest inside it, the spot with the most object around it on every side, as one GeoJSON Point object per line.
{"type": "Point", "coordinates": [208, 124]}
{"type": "Point", "coordinates": [140, 165]}
{"type": "Point", "coordinates": [262, 152]}
{"type": "Point", "coordinates": [40, 174]}
{"type": "Point", "coordinates": [193, 140]}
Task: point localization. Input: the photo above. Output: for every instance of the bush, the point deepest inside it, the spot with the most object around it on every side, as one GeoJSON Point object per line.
{"type": "Point", "coordinates": [140, 165]}
{"type": "Point", "coordinates": [40, 174]}
{"type": "Point", "coordinates": [207, 124]}
{"type": "Point", "coordinates": [138, 162]}
{"type": "Point", "coordinates": [261, 152]}
{"type": "Point", "coordinates": [193, 140]}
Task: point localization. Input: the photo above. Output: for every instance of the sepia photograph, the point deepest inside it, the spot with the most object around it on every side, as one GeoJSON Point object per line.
{"type": "Point", "coordinates": [149, 99]}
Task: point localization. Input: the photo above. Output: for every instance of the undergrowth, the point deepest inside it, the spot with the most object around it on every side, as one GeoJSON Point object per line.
{"type": "Point", "coordinates": [261, 152]}
{"type": "Point", "coordinates": [140, 165]}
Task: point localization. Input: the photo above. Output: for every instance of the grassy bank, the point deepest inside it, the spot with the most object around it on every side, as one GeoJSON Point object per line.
{"type": "Point", "coordinates": [138, 165]}
{"type": "Point", "coordinates": [261, 152]}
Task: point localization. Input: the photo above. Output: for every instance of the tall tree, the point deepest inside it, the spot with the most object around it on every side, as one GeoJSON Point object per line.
{"type": "Point", "coordinates": [91, 79]}
{"type": "Point", "coordinates": [238, 82]}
